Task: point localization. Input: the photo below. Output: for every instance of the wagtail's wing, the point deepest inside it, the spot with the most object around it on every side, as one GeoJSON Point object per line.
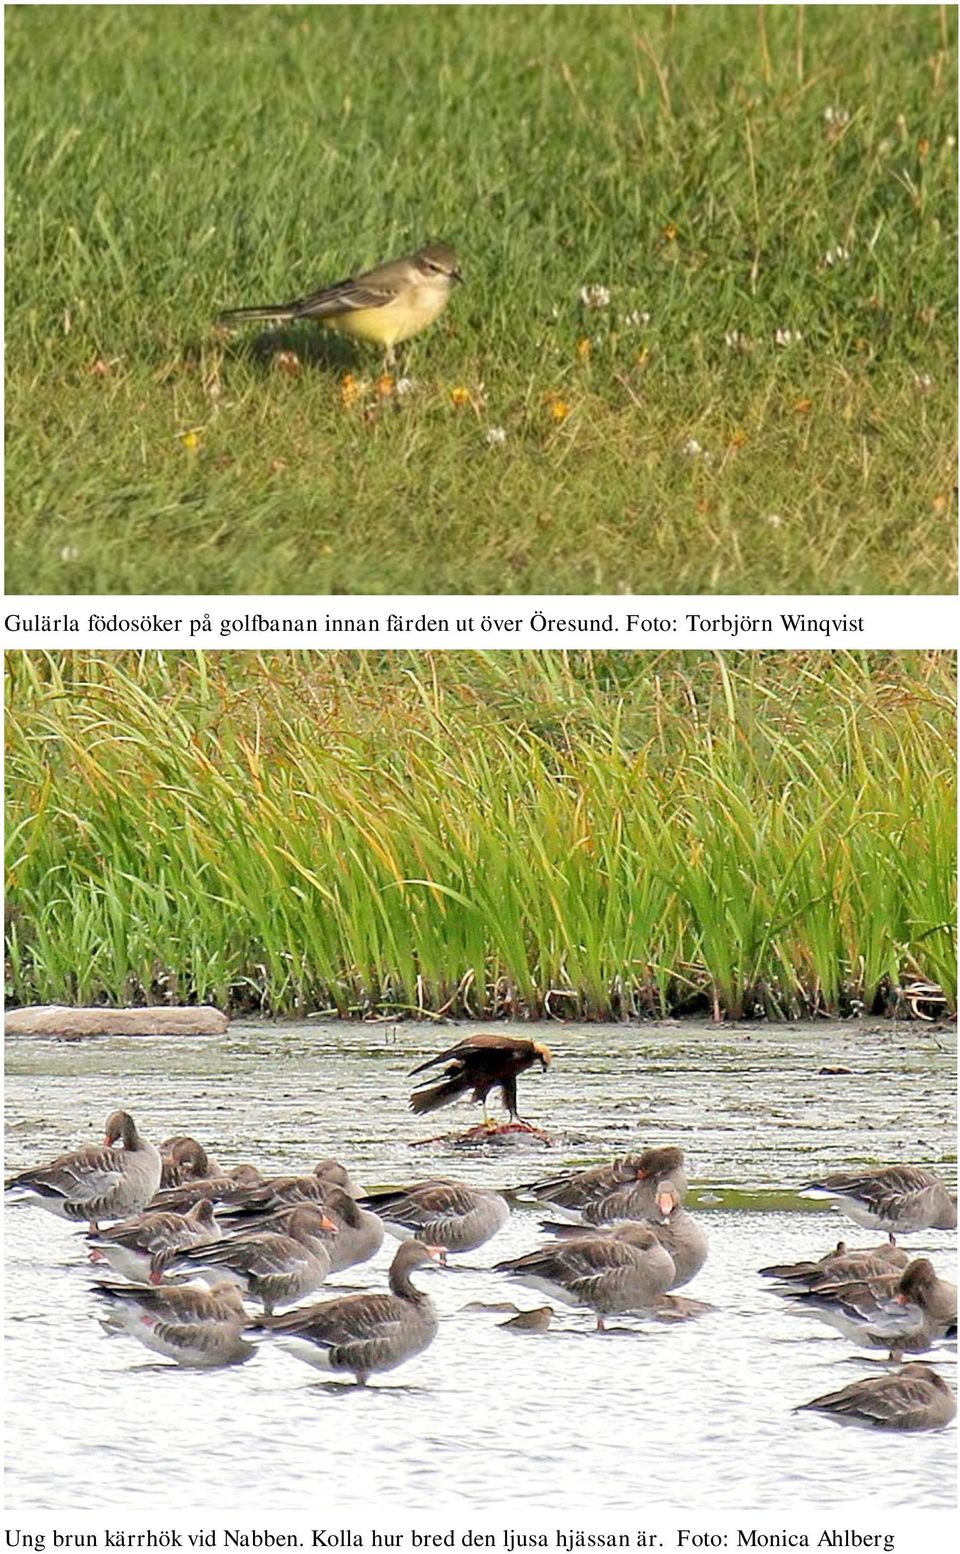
{"type": "Point", "coordinates": [375, 289]}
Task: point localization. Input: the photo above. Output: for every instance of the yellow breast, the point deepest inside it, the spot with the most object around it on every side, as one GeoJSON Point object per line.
{"type": "Point", "coordinates": [417, 307]}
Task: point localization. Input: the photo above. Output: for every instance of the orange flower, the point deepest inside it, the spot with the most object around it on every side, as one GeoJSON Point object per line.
{"type": "Point", "coordinates": [584, 347]}
{"type": "Point", "coordinates": [385, 385]}
{"type": "Point", "coordinates": [349, 389]}
{"type": "Point", "coordinates": [559, 409]}
{"type": "Point", "coordinates": [802, 406]}
{"type": "Point", "coordinates": [738, 438]}
{"type": "Point", "coordinates": [191, 441]}
{"type": "Point", "coordinates": [670, 232]}
{"type": "Point", "coordinates": [460, 396]}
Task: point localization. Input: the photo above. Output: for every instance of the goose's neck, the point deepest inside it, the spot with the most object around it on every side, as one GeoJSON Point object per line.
{"type": "Point", "coordinates": [130, 1138]}
{"type": "Point", "coordinates": [401, 1284]}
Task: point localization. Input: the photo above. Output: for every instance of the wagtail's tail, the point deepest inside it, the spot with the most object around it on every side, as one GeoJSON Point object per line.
{"type": "Point", "coordinates": [279, 312]}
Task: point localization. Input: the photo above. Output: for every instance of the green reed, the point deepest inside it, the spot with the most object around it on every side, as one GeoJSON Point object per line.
{"type": "Point", "coordinates": [578, 835]}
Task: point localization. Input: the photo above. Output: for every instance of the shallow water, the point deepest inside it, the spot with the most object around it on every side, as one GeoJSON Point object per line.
{"type": "Point", "coordinates": [755, 1117]}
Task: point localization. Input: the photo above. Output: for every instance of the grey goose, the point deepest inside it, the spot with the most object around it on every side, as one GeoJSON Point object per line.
{"type": "Point", "coordinates": [629, 1188]}
{"type": "Point", "coordinates": [674, 1228]}
{"type": "Point", "coordinates": [912, 1398]}
{"type": "Point", "coordinates": [102, 1181]}
{"type": "Point", "coordinates": [902, 1312]}
{"type": "Point", "coordinates": [199, 1329]}
{"type": "Point", "coordinates": [140, 1248]}
{"type": "Point", "coordinates": [277, 1193]}
{"type": "Point", "coordinates": [185, 1160]}
{"type": "Point", "coordinates": [215, 1187]}
{"type": "Point", "coordinates": [368, 1332]}
{"type": "Point", "coordinates": [611, 1273]}
{"type": "Point", "coordinates": [447, 1214]}
{"type": "Point", "coordinates": [897, 1198]}
{"type": "Point", "coordinates": [355, 1234]}
{"type": "Point", "coordinates": [274, 1267]}
{"type": "Point", "coordinates": [839, 1266]}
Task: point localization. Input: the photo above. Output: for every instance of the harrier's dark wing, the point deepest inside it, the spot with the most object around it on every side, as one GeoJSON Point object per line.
{"type": "Point", "coordinates": [500, 1046]}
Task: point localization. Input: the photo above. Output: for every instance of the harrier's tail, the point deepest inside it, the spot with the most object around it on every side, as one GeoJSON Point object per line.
{"type": "Point", "coordinates": [430, 1097]}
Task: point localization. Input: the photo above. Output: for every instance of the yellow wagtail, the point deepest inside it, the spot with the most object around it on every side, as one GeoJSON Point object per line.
{"type": "Point", "coordinates": [385, 305]}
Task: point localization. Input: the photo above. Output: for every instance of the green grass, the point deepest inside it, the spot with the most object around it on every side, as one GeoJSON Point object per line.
{"type": "Point", "coordinates": [164, 163]}
{"type": "Point", "coordinates": [581, 835]}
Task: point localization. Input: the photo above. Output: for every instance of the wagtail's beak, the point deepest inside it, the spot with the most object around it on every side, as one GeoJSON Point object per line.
{"type": "Point", "coordinates": [456, 277]}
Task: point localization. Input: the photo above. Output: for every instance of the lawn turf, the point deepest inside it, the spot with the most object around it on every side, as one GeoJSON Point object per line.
{"type": "Point", "coordinates": [728, 174]}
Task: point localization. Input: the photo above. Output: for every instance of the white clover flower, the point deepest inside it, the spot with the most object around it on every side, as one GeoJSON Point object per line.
{"type": "Point", "coordinates": [923, 383]}
{"type": "Point", "coordinates": [834, 256]}
{"type": "Point", "coordinates": [69, 553]}
{"type": "Point", "coordinates": [837, 117]}
{"type": "Point", "coordinates": [404, 386]}
{"type": "Point", "coordinates": [787, 337]}
{"type": "Point", "coordinates": [775, 521]}
{"type": "Point", "coordinates": [693, 450]}
{"type": "Point", "coordinates": [638, 319]}
{"type": "Point", "coordinates": [595, 297]}
{"type": "Point", "coordinates": [496, 436]}
{"type": "Point", "coordinates": [736, 340]}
